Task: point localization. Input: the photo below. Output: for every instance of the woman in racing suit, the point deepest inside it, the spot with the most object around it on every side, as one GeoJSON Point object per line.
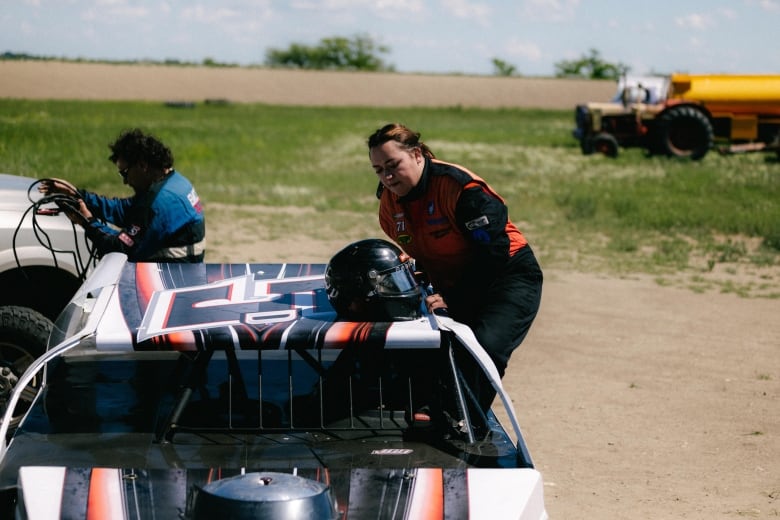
{"type": "Point", "coordinates": [457, 229]}
{"type": "Point", "coordinates": [162, 222]}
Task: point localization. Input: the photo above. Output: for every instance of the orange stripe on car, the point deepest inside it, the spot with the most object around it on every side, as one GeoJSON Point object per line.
{"type": "Point", "coordinates": [105, 496]}
{"type": "Point", "coordinates": [427, 501]}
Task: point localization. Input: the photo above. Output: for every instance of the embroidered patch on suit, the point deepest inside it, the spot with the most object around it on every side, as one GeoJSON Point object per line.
{"type": "Point", "coordinates": [480, 235]}
{"type": "Point", "coordinates": [126, 239]}
{"type": "Point", "coordinates": [477, 223]}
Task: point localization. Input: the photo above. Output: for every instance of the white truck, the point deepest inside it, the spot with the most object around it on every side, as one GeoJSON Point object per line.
{"type": "Point", "coordinates": [43, 260]}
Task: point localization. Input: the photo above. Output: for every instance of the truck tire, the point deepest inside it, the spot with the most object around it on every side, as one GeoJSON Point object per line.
{"type": "Point", "coordinates": [684, 131]}
{"type": "Point", "coordinates": [605, 144]}
{"type": "Point", "coordinates": [24, 334]}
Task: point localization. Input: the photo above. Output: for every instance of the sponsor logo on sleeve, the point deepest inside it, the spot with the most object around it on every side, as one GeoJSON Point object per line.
{"type": "Point", "coordinates": [192, 196]}
{"type": "Point", "coordinates": [477, 223]}
{"type": "Point", "coordinates": [480, 235]}
{"type": "Point", "coordinates": [126, 239]}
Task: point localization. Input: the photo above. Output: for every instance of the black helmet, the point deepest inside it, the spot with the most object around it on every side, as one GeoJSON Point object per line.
{"type": "Point", "coordinates": [373, 280]}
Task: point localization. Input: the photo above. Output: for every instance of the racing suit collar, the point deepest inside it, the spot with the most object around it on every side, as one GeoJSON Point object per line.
{"type": "Point", "coordinates": [421, 187]}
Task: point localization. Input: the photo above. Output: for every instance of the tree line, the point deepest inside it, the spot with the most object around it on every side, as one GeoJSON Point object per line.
{"type": "Point", "coordinates": [362, 53]}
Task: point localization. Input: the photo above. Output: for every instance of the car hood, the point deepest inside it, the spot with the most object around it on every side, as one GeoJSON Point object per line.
{"type": "Point", "coordinates": [165, 380]}
{"type": "Point", "coordinates": [13, 192]}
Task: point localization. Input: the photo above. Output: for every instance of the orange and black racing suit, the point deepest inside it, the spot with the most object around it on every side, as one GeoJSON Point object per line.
{"type": "Point", "coordinates": [458, 231]}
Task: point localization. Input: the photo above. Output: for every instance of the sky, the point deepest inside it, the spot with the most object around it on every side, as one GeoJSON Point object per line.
{"type": "Point", "coordinates": [423, 36]}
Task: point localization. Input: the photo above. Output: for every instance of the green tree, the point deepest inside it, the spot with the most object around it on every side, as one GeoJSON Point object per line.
{"type": "Point", "coordinates": [336, 53]}
{"type": "Point", "coordinates": [502, 68]}
{"type": "Point", "coordinates": [590, 66]}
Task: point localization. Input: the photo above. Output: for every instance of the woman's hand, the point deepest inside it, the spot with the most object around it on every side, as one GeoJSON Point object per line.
{"type": "Point", "coordinates": [435, 301]}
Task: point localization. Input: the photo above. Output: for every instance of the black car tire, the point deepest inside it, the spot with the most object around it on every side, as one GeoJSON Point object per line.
{"type": "Point", "coordinates": [24, 334]}
{"type": "Point", "coordinates": [685, 132]}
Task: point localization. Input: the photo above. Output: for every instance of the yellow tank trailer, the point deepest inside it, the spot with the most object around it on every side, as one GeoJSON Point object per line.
{"type": "Point", "coordinates": [743, 108]}
{"type": "Point", "coordinates": [739, 112]}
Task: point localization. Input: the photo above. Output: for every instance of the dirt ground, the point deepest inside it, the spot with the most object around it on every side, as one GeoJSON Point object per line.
{"type": "Point", "coordinates": [636, 401]}
{"type": "Point", "coordinates": [57, 80]}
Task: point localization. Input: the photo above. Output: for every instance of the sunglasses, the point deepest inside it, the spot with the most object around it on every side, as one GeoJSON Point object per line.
{"type": "Point", "coordinates": [123, 172]}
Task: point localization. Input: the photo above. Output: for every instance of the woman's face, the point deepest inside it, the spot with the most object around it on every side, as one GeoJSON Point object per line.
{"type": "Point", "coordinates": [398, 169]}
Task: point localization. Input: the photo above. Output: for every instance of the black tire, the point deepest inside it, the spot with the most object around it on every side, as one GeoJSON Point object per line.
{"type": "Point", "coordinates": [24, 334]}
{"type": "Point", "coordinates": [605, 144]}
{"type": "Point", "coordinates": [685, 132]}
{"type": "Point", "coordinates": [8, 499]}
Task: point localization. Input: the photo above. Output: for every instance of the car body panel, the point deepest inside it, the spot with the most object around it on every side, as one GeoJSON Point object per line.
{"type": "Point", "coordinates": [17, 229]}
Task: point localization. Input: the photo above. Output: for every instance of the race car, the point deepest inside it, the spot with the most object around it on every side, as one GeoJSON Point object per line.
{"type": "Point", "coordinates": [235, 391]}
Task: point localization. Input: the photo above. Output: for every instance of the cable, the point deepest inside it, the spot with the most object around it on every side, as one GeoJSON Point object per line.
{"type": "Point", "coordinates": [50, 205]}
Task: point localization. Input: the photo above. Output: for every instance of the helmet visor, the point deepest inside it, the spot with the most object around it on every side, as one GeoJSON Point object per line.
{"type": "Point", "coordinates": [398, 280]}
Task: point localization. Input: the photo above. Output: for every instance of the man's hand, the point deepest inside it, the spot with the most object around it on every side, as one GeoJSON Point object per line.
{"type": "Point", "coordinates": [51, 186]}
{"type": "Point", "coordinates": [76, 211]}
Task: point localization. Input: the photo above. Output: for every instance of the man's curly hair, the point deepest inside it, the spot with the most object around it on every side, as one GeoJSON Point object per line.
{"type": "Point", "coordinates": [134, 147]}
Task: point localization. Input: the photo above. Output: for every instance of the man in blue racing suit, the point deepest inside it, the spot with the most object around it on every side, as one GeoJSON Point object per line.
{"type": "Point", "coordinates": [162, 222]}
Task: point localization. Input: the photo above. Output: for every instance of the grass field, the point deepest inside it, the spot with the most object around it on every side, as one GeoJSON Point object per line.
{"type": "Point", "coordinates": [633, 214]}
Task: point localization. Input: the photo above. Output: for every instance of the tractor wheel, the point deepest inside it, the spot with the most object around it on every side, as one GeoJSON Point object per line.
{"type": "Point", "coordinates": [685, 132]}
{"type": "Point", "coordinates": [586, 145]}
{"type": "Point", "coordinates": [606, 144]}
{"type": "Point", "coordinates": [24, 334]}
